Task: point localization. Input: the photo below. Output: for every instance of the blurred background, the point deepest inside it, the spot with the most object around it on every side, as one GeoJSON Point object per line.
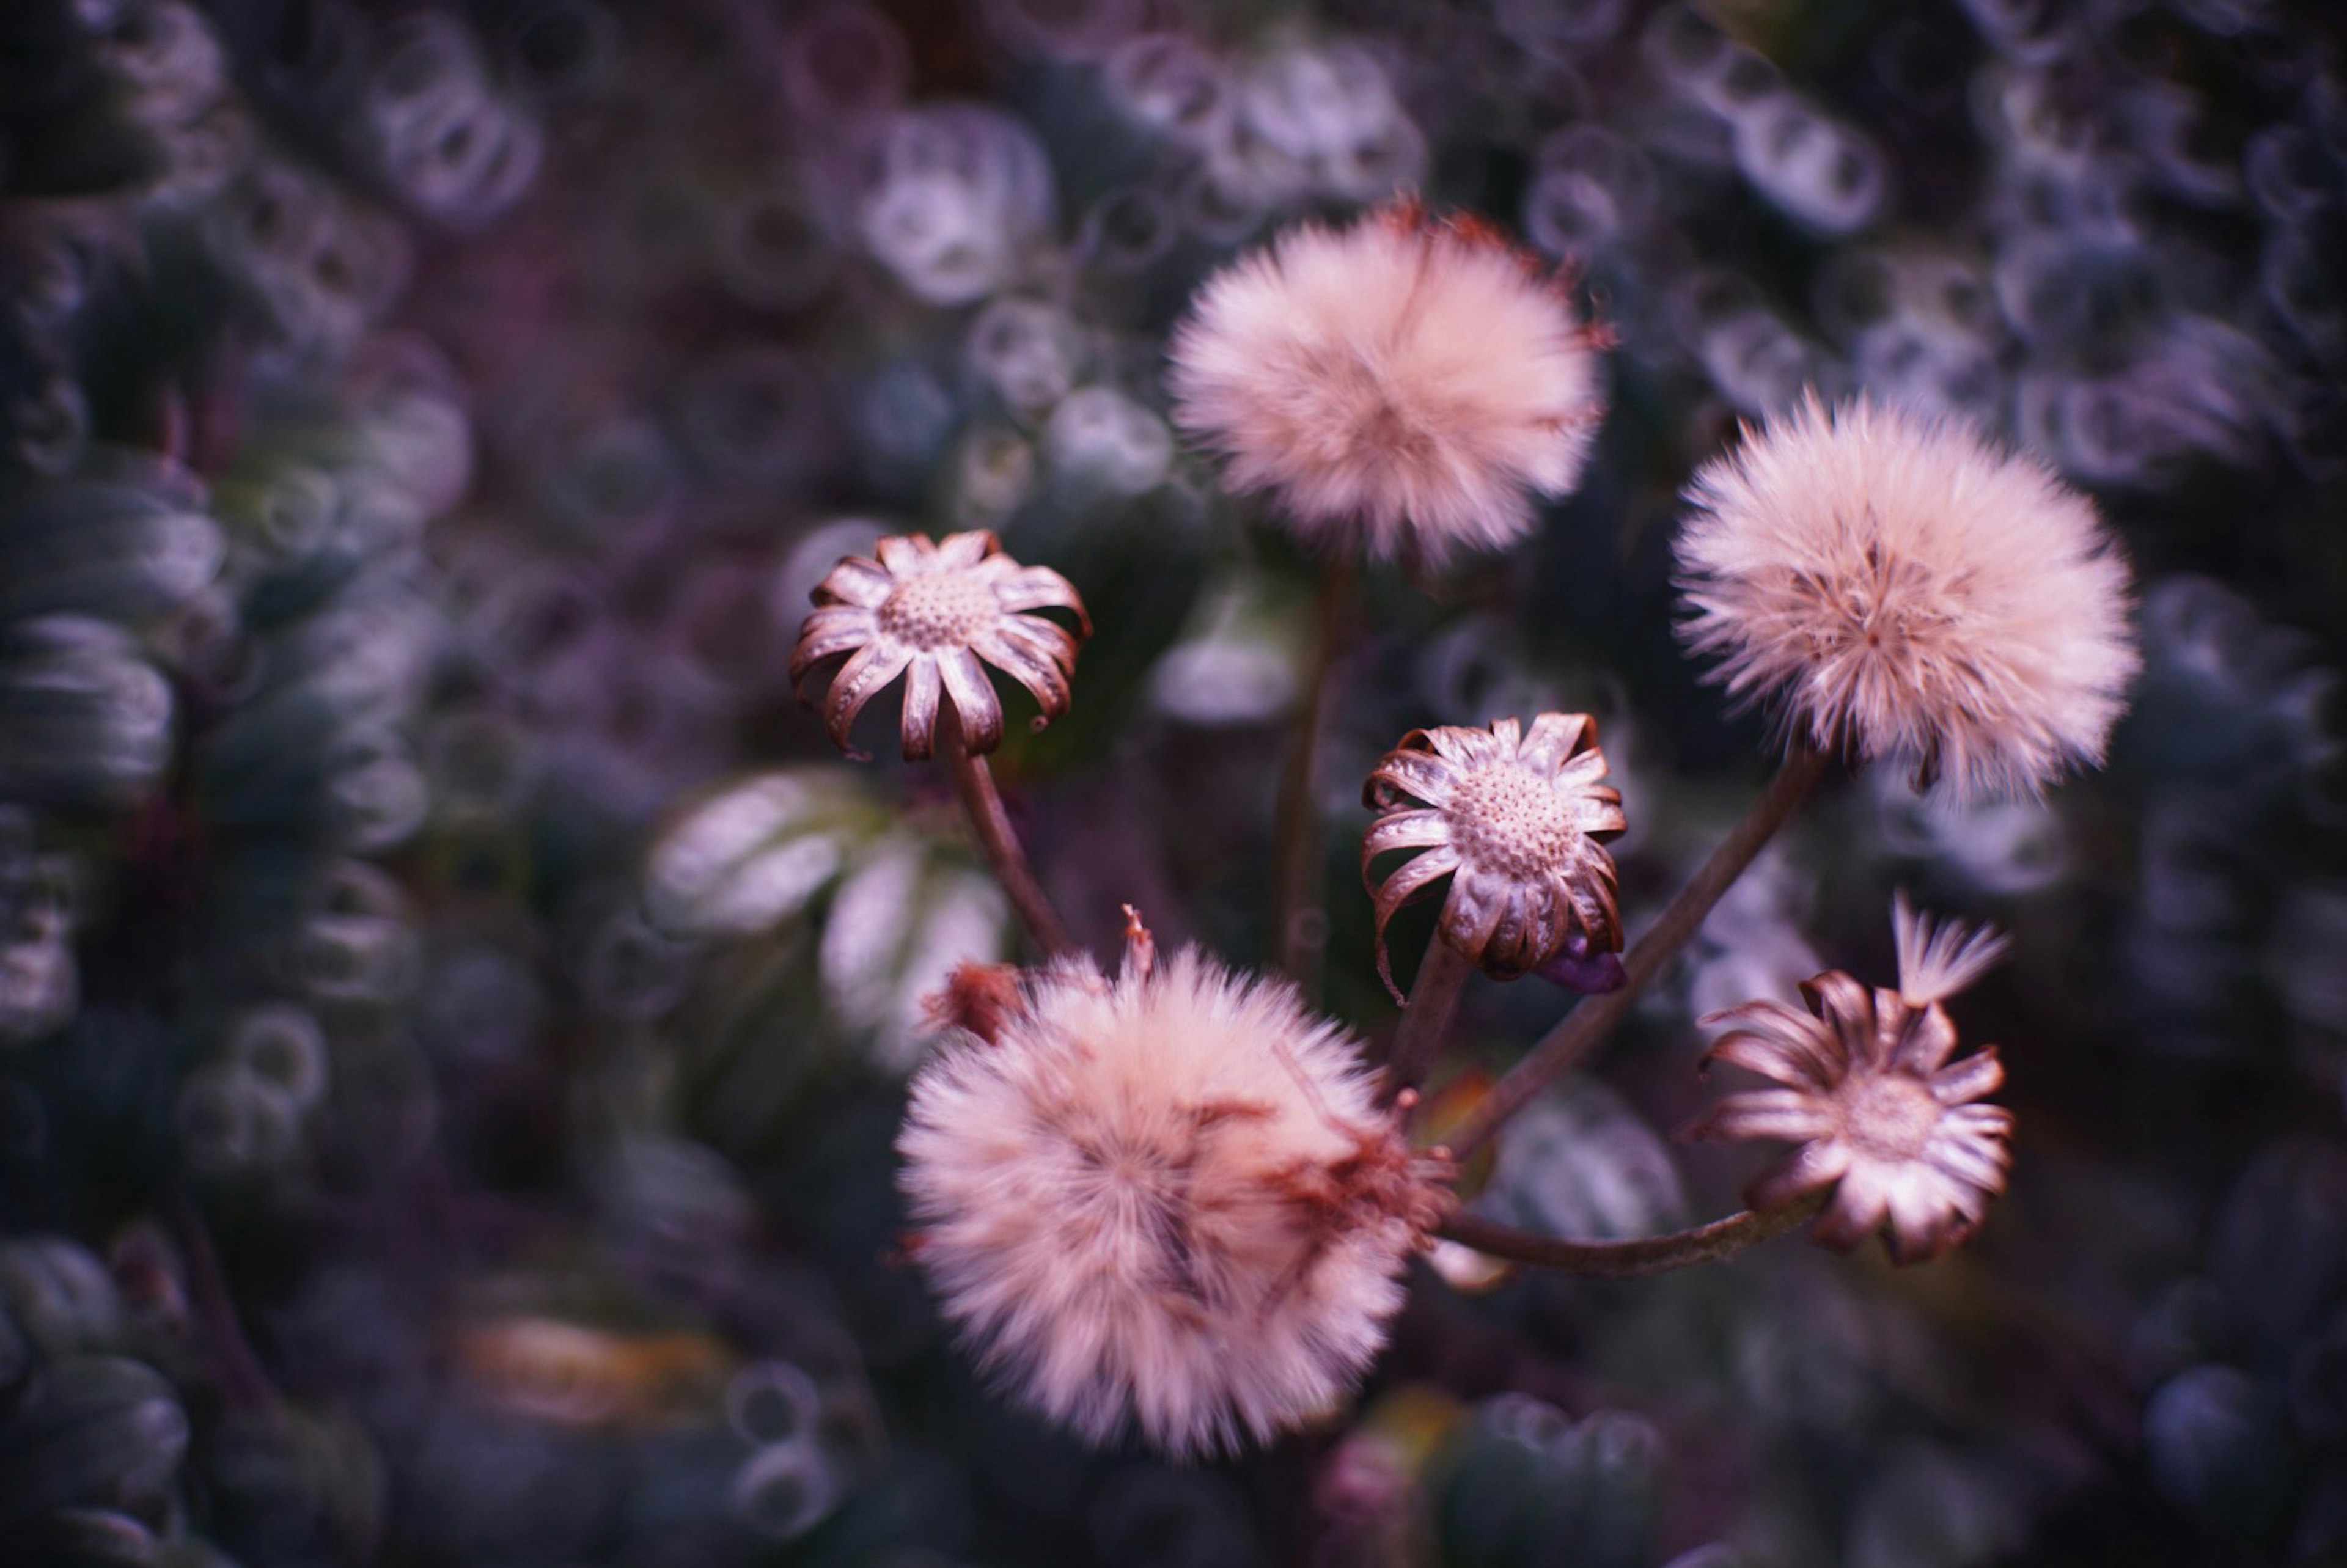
{"type": "Point", "coordinates": [454, 1007]}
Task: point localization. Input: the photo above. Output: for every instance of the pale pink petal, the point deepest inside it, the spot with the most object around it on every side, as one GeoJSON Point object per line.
{"type": "Point", "coordinates": [1928, 1215]}
{"type": "Point", "coordinates": [871, 668]}
{"type": "Point", "coordinates": [1406, 829]}
{"type": "Point", "coordinates": [1473, 911]}
{"type": "Point", "coordinates": [1977, 1074]}
{"type": "Point", "coordinates": [1407, 882]}
{"type": "Point", "coordinates": [1860, 1206]}
{"type": "Point", "coordinates": [1787, 1114]}
{"type": "Point", "coordinates": [1801, 1061]}
{"type": "Point", "coordinates": [1979, 1121]}
{"type": "Point", "coordinates": [833, 630]}
{"type": "Point", "coordinates": [1454, 744]}
{"type": "Point", "coordinates": [1046, 641]}
{"type": "Point", "coordinates": [1798, 1174]}
{"type": "Point", "coordinates": [909, 555]}
{"type": "Point", "coordinates": [972, 695]}
{"type": "Point", "coordinates": [1978, 1162]}
{"type": "Point", "coordinates": [1039, 673]}
{"type": "Point", "coordinates": [1927, 1038]}
{"type": "Point", "coordinates": [1553, 738]}
{"type": "Point", "coordinates": [962, 551]}
{"type": "Point", "coordinates": [918, 726]}
{"type": "Point", "coordinates": [1401, 774]}
{"type": "Point", "coordinates": [1040, 588]}
{"type": "Point", "coordinates": [857, 581]}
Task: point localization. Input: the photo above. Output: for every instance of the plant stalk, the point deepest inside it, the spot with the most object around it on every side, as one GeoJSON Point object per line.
{"type": "Point", "coordinates": [990, 824]}
{"type": "Point", "coordinates": [1426, 1018]}
{"type": "Point", "coordinates": [1298, 915]}
{"type": "Point", "coordinates": [1585, 1025]}
{"type": "Point", "coordinates": [1631, 1259]}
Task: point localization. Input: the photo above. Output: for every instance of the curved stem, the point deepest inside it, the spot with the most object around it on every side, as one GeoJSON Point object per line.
{"type": "Point", "coordinates": [1585, 1025]}
{"type": "Point", "coordinates": [974, 781]}
{"type": "Point", "coordinates": [1630, 1259]}
{"type": "Point", "coordinates": [1299, 924]}
{"type": "Point", "coordinates": [244, 1382]}
{"type": "Point", "coordinates": [1426, 1017]}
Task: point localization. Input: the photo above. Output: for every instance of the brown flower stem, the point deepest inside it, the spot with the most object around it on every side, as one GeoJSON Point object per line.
{"type": "Point", "coordinates": [244, 1384]}
{"type": "Point", "coordinates": [995, 840]}
{"type": "Point", "coordinates": [1584, 1026]}
{"type": "Point", "coordinates": [1426, 1017]}
{"type": "Point", "coordinates": [1298, 915]}
{"type": "Point", "coordinates": [1630, 1259]}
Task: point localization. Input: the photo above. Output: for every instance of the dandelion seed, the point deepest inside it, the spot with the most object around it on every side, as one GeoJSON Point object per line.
{"type": "Point", "coordinates": [1882, 1117]}
{"type": "Point", "coordinates": [1515, 821]}
{"type": "Point", "coordinates": [1908, 592]}
{"type": "Point", "coordinates": [1167, 1202]}
{"type": "Point", "coordinates": [1398, 387]}
{"type": "Point", "coordinates": [930, 613]}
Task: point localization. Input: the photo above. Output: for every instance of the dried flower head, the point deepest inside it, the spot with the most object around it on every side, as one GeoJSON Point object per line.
{"type": "Point", "coordinates": [1880, 1114]}
{"type": "Point", "coordinates": [1517, 821]}
{"type": "Point", "coordinates": [1398, 386]}
{"type": "Point", "coordinates": [1912, 592]}
{"type": "Point", "coordinates": [1168, 1201]}
{"type": "Point", "coordinates": [930, 611]}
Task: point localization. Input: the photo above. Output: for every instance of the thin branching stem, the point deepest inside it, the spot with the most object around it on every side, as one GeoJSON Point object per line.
{"type": "Point", "coordinates": [990, 824]}
{"type": "Point", "coordinates": [1298, 915]}
{"type": "Point", "coordinates": [1581, 1030]}
{"type": "Point", "coordinates": [1426, 1018]}
{"type": "Point", "coordinates": [1630, 1259]}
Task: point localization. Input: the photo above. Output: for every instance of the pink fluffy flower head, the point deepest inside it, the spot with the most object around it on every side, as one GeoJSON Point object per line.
{"type": "Point", "coordinates": [1907, 591]}
{"type": "Point", "coordinates": [1167, 1201]}
{"type": "Point", "coordinates": [1399, 388]}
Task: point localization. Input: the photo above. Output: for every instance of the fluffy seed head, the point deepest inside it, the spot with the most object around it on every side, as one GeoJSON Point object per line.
{"type": "Point", "coordinates": [1167, 1202]}
{"type": "Point", "coordinates": [1882, 1116]}
{"type": "Point", "coordinates": [1398, 386]}
{"type": "Point", "coordinates": [1517, 821]}
{"type": "Point", "coordinates": [1909, 591]}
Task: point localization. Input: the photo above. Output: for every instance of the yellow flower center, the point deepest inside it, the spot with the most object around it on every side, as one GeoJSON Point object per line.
{"type": "Point", "coordinates": [940, 609]}
{"type": "Point", "coordinates": [1508, 819]}
{"type": "Point", "coordinates": [1889, 1117]}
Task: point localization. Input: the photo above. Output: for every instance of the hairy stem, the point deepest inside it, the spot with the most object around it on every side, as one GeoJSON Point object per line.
{"type": "Point", "coordinates": [1589, 1023]}
{"type": "Point", "coordinates": [995, 840]}
{"type": "Point", "coordinates": [1426, 1017]}
{"type": "Point", "coordinates": [1298, 920]}
{"type": "Point", "coordinates": [1630, 1259]}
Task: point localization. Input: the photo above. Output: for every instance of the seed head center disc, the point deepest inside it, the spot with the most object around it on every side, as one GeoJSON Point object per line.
{"type": "Point", "coordinates": [1509, 819]}
{"type": "Point", "coordinates": [942, 609]}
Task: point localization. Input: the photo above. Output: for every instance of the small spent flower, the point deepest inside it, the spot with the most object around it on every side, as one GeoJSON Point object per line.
{"type": "Point", "coordinates": [1518, 822]}
{"type": "Point", "coordinates": [1398, 387]}
{"type": "Point", "coordinates": [930, 611]}
{"type": "Point", "coordinates": [1909, 592]}
{"type": "Point", "coordinates": [1882, 1116]}
{"type": "Point", "coordinates": [1167, 1202]}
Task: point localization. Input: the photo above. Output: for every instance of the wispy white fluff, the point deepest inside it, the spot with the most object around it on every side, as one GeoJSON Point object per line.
{"type": "Point", "coordinates": [1397, 387]}
{"type": "Point", "coordinates": [1937, 960]}
{"type": "Point", "coordinates": [1167, 1202]}
{"type": "Point", "coordinates": [1910, 592]}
